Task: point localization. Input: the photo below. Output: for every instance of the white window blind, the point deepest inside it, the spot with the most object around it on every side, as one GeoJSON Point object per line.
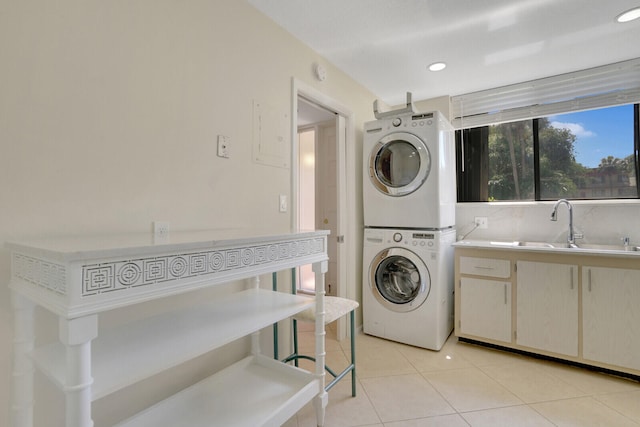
{"type": "Point", "coordinates": [605, 86]}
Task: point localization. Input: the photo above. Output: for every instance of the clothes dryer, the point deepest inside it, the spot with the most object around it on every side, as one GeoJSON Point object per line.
{"type": "Point", "coordinates": [409, 171]}
{"type": "Point", "coordinates": [407, 293]}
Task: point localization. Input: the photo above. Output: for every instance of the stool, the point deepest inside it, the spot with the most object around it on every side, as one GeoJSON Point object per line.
{"type": "Point", "coordinates": [335, 308]}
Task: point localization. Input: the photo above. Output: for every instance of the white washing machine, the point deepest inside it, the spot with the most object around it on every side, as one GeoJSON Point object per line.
{"type": "Point", "coordinates": [409, 171]}
{"type": "Point", "coordinates": [407, 293]}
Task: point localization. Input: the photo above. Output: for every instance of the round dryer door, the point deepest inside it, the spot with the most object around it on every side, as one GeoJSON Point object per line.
{"type": "Point", "coordinates": [399, 279]}
{"type": "Point", "coordinates": [399, 164]}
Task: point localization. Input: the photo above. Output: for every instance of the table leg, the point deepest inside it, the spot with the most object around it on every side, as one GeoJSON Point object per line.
{"type": "Point", "coordinates": [22, 374]}
{"type": "Point", "coordinates": [320, 402]}
{"type": "Point", "coordinates": [76, 335]}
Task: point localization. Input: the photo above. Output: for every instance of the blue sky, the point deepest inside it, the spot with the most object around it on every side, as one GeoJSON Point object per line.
{"type": "Point", "coordinates": [599, 133]}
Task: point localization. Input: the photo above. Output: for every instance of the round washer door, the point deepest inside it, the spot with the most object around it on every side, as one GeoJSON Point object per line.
{"type": "Point", "coordinates": [399, 279]}
{"type": "Point", "coordinates": [399, 164]}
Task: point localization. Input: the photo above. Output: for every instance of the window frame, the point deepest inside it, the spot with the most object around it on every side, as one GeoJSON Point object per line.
{"type": "Point", "coordinates": [470, 169]}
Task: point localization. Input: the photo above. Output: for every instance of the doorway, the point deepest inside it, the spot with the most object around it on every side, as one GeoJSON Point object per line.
{"type": "Point", "coordinates": [317, 185]}
{"type": "Point", "coordinates": [345, 237]}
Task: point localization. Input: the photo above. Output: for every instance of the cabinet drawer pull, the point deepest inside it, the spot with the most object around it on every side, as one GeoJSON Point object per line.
{"type": "Point", "coordinates": [589, 280]}
{"type": "Point", "coordinates": [484, 268]}
{"type": "Point", "coordinates": [571, 278]}
{"type": "Point", "coordinates": [505, 294]}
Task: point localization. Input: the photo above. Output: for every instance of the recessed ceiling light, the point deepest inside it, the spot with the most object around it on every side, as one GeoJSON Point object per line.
{"type": "Point", "coordinates": [437, 66]}
{"type": "Point", "coordinates": [629, 15]}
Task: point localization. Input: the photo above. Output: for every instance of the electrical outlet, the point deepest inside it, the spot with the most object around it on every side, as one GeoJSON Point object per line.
{"type": "Point", "coordinates": [481, 222]}
{"type": "Point", "coordinates": [161, 228]}
{"type": "Point", "coordinates": [223, 146]}
{"type": "Point", "coordinates": [283, 202]}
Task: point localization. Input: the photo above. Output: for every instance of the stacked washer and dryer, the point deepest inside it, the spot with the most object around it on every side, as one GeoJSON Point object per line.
{"type": "Point", "coordinates": [409, 196]}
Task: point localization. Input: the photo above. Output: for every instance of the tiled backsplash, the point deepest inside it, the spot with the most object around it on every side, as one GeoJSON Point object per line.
{"type": "Point", "coordinates": [600, 222]}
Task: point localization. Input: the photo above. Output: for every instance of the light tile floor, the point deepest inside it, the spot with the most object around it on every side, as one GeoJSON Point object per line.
{"type": "Point", "coordinates": [464, 385]}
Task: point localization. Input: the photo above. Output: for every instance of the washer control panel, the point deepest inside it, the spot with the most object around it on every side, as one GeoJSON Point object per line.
{"type": "Point", "coordinates": [415, 239]}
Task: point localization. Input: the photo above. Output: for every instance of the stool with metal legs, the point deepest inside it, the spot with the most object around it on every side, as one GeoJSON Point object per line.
{"type": "Point", "coordinates": [335, 308]}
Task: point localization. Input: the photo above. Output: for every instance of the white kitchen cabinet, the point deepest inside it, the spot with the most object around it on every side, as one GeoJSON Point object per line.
{"type": "Point", "coordinates": [579, 305]}
{"type": "Point", "coordinates": [611, 316]}
{"type": "Point", "coordinates": [547, 307]}
{"type": "Point", "coordinates": [485, 308]}
{"type": "Point", "coordinates": [483, 303]}
{"type": "Point", "coordinates": [79, 278]}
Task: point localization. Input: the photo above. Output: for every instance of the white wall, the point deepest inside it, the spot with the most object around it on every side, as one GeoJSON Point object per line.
{"type": "Point", "coordinates": [108, 120]}
{"type": "Point", "coordinates": [441, 103]}
{"type": "Point", "coordinates": [604, 222]}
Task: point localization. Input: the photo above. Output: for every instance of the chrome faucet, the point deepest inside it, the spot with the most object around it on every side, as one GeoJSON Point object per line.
{"type": "Point", "coordinates": [571, 237]}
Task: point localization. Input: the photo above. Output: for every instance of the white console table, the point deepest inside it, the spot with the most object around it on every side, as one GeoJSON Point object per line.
{"type": "Point", "coordinates": [78, 278]}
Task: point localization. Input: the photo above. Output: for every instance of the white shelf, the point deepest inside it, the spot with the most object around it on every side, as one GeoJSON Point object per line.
{"type": "Point", "coordinates": [136, 351]}
{"type": "Point", "coordinates": [254, 392]}
{"type": "Point", "coordinates": [79, 278]}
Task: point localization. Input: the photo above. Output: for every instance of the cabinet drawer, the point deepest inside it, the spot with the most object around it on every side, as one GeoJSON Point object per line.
{"type": "Point", "coordinates": [485, 267]}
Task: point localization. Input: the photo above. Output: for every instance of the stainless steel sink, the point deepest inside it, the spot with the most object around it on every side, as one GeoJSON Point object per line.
{"type": "Point", "coordinates": [623, 248]}
{"type": "Point", "coordinates": [616, 248]}
{"type": "Point", "coordinates": [538, 244]}
{"type": "Point", "coordinates": [541, 246]}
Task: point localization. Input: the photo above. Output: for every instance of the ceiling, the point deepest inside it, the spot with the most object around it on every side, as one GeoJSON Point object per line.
{"type": "Point", "coordinates": [387, 45]}
{"type": "Point", "coordinates": [310, 113]}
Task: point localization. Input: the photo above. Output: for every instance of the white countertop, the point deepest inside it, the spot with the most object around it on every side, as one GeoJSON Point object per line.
{"type": "Point", "coordinates": [104, 246]}
{"type": "Point", "coordinates": [514, 246]}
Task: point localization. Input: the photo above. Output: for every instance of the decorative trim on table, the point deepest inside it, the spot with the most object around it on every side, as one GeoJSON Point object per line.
{"type": "Point", "coordinates": [42, 273]}
{"type": "Point", "coordinates": [119, 275]}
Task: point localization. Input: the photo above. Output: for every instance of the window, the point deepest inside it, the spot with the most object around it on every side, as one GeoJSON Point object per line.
{"type": "Point", "coordinates": [581, 155]}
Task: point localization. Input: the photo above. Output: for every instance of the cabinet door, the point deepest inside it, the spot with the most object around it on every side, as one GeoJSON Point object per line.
{"type": "Point", "coordinates": [611, 316]}
{"type": "Point", "coordinates": [547, 307]}
{"type": "Point", "coordinates": [485, 308]}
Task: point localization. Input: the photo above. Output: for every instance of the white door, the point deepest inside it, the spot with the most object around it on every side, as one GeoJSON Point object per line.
{"type": "Point", "coordinates": [326, 200]}
{"type": "Point", "coordinates": [341, 208]}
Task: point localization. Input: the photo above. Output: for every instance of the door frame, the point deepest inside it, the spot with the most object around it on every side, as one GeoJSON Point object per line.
{"type": "Point", "coordinates": [346, 263]}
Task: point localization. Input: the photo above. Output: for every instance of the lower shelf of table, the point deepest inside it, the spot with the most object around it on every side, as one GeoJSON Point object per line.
{"type": "Point", "coordinates": [141, 349]}
{"type": "Point", "coordinates": [256, 391]}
